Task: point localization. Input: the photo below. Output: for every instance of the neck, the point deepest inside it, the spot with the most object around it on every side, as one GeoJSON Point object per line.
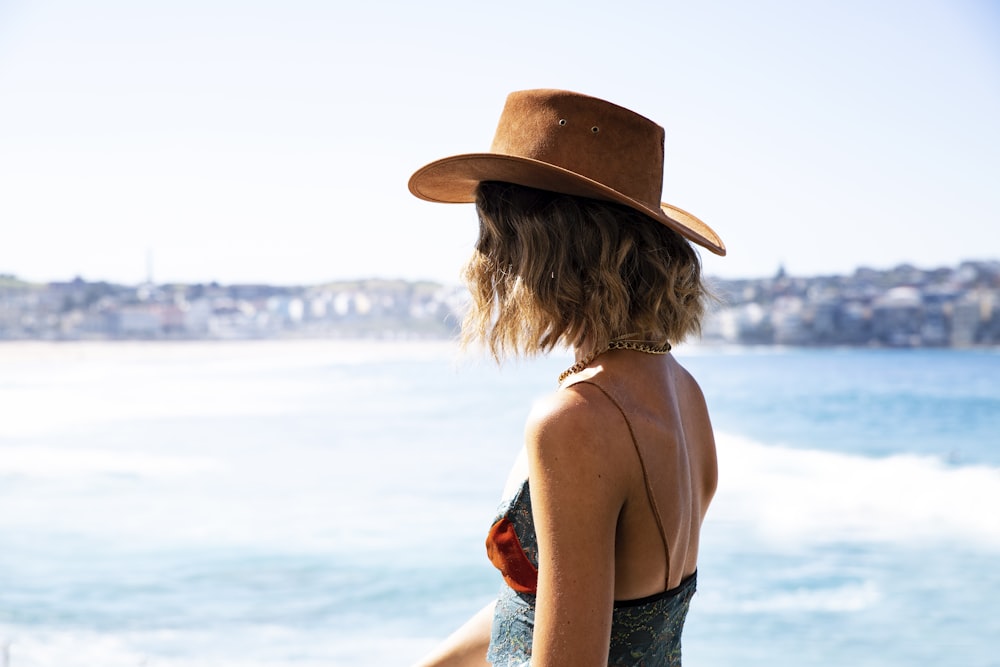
{"type": "Point", "coordinates": [586, 354]}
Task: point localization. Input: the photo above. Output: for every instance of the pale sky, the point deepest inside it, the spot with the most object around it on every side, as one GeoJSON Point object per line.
{"type": "Point", "coordinates": [272, 141]}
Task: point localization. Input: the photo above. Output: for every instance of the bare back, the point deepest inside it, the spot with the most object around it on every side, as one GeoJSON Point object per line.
{"type": "Point", "coordinates": [658, 402]}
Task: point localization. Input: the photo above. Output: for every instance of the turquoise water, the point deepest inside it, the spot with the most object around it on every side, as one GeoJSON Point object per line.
{"type": "Point", "coordinates": [869, 402]}
{"type": "Point", "coordinates": [307, 503]}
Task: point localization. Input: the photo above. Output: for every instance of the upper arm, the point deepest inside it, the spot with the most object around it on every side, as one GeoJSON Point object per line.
{"type": "Point", "coordinates": [577, 492]}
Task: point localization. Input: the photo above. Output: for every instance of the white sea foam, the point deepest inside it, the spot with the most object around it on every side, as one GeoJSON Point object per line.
{"type": "Point", "coordinates": [51, 388]}
{"type": "Point", "coordinates": [808, 496]}
{"type": "Point", "coordinates": [45, 649]}
{"type": "Point", "coordinates": [846, 598]}
{"type": "Point", "coordinates": [250, 646]}
{"type": "Point", "coordinates": [53, 462]}
{"type": "Point", "coordinates": [795, 534]}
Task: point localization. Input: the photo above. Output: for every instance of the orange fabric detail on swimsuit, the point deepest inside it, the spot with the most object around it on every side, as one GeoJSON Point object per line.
{"type": "Point", "coordinates": [506, 554]}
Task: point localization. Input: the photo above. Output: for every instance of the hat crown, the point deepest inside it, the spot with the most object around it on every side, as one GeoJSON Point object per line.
{"type": "Point", "coordinates": [574, 144]}
{"type": "Point", "coordinates": [591, 137]}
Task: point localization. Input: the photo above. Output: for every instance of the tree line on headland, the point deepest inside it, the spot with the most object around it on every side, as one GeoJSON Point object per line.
{"type": "Point", "coordinates": [900, 307]}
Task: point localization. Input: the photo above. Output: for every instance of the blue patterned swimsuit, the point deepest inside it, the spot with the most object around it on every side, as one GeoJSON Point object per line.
{"type": "Point", "coordinates": [644, 632]}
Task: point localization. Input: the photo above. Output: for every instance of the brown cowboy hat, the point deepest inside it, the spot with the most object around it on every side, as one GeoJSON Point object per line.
{"type": "Point", "coordinates": [574, 144]}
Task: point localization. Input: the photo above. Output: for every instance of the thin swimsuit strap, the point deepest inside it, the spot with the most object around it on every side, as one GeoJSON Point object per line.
{"type": "Point", "coordinates": [645, 476]}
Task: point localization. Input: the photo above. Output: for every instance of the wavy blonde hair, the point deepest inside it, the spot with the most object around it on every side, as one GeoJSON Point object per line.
{"type": "Point", "coordinates": [552, 269]}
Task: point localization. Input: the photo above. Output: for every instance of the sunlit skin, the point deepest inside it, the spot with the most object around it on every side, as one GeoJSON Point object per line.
{"type": "Point", "coordinates": [597, 536]}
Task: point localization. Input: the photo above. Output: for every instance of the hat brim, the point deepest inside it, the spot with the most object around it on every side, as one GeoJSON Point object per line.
{"type": "Point", "coordinates": [455, 179]}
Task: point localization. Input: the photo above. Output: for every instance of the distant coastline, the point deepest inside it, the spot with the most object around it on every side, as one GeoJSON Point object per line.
{"type": "Point", "coordinates": [904, 306]}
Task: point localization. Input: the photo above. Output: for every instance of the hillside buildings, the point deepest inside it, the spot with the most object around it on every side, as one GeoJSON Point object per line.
{"type": "Point", "coordinates": [900, 307]}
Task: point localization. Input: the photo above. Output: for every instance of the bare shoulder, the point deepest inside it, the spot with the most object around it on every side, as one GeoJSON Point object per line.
{"type": "Point", "coordinates": [687, 382]}
{"type": "Point", "coordinates": [576, 429]}
{"type": "Point", "coordinates": [577, 495]}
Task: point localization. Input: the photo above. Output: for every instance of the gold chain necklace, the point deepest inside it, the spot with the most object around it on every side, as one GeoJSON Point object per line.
{"type": "Point", "coordinates": [616, 344]}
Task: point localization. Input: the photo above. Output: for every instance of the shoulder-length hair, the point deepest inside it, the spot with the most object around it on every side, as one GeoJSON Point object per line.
{"type": "Point", "coordinates": [552, 269]}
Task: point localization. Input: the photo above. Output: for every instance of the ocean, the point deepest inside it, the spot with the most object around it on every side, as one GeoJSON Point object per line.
{"type": "Point", "coordinates": [250, 504]}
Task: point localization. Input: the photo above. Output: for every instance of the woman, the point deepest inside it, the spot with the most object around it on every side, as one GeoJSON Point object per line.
{"type": "Point", "coordinates": [597, 540]}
